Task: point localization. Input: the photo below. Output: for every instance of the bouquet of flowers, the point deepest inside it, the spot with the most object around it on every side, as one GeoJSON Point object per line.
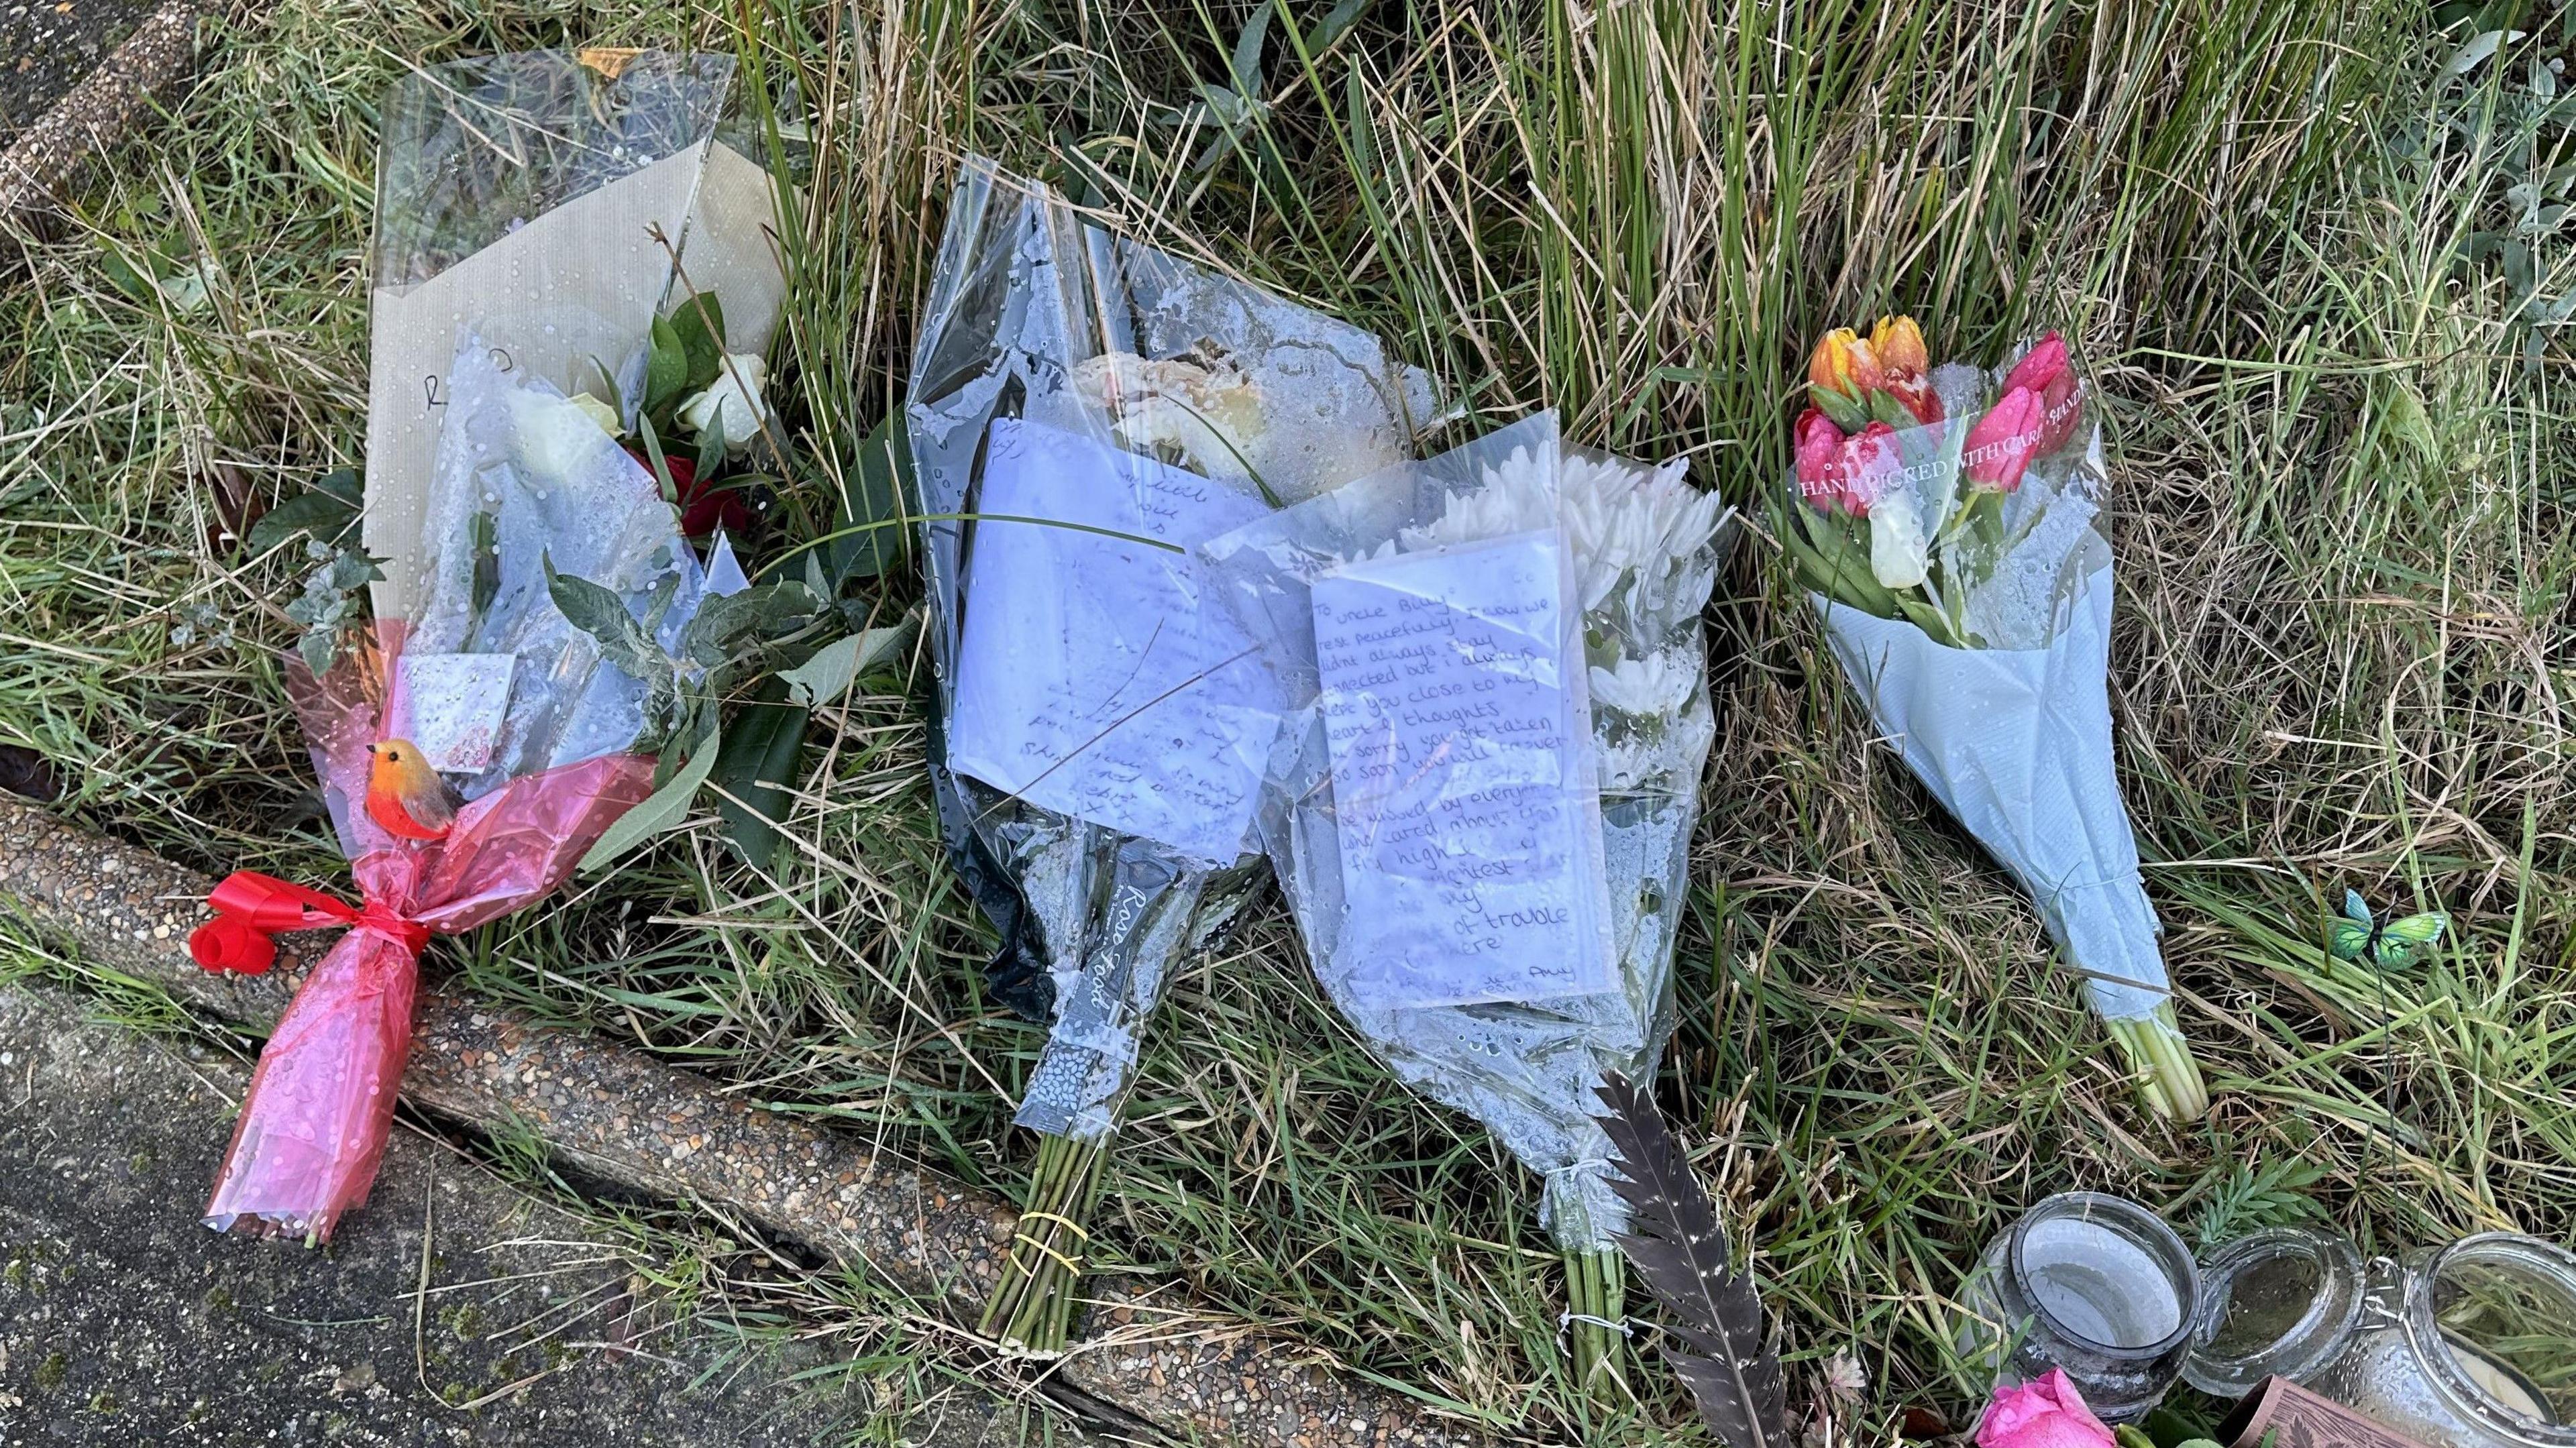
{"type": "Point", "coordinates": [1943, 520]}
{"type": "Point", "coordinates": [1484, 802]}
{"type": "Point", "coordinates": [1083, 410]}
{"type": "Point", "coordinates": [537, 615]}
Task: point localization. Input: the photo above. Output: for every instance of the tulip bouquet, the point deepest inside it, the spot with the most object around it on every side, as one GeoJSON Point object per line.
{"type": "Point", "coordinates": [1944, 522]}
{"type": "Point", "coordinates": [1084, 409]}
{"type": "Point", "coordinates": [1483, 810]}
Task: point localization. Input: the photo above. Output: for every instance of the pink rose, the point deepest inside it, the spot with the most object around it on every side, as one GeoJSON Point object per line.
{"type": "Point", "coordinates": [2046, 1414]}
{"type": "Point", "coordinates": [2002, 442]}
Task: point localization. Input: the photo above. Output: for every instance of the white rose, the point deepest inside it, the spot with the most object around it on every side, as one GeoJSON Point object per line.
{"type": "Point", "coordinates": [599, 412]}
{"type": "Point", "coordinates": [733, 400]}
{"type": "Point", "coordinates": [558, 438]}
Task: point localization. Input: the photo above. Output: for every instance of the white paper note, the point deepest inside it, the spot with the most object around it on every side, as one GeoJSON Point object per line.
{"type": "Point", "coordinates": [1096, 677]}
{"type": "Point", "coordinates": [1464, 794]}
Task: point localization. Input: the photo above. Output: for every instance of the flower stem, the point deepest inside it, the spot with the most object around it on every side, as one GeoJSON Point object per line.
{"type": "Point", "coordinates": [1595, 1339]}
{"type": "Point", "coordinates": [2168, 1077]}
{"type": "Point", "coordinates": [1032, 1307]}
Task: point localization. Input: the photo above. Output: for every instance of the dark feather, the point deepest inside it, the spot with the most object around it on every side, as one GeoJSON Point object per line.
{"type": "Point", "coordinates": [1679, 1249]}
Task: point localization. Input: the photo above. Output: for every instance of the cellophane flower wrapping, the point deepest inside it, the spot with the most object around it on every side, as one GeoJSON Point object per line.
{"type": "Point", "coordinates": [1482, 808]}
{"type": "Point", "coordinates": [1992, 678]}
{"type": "Point", "coordinates": [1083, 410]}
{"type": "Point", "coordinates": [549, 203]}
{"type": "Point", "coordinates": [515, 198]}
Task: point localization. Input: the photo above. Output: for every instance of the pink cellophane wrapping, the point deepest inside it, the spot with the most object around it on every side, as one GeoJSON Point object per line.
{"type": "Point", "coordinates": [320, 1108]}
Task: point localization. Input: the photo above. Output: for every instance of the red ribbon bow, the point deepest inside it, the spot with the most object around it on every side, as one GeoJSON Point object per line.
{"type": "Point", "coordinates": [251, 907]}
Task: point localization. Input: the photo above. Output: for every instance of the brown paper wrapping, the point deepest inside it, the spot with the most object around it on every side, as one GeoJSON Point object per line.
{"type": "Point", "coordinates": [571, 291]}
{"type": "Point", "coordinates": [2293, 1417]}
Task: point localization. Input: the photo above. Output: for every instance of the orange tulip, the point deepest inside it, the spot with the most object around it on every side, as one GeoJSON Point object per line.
{"type": "Point", "coordinates": [1898, 344]}
{"type": "Point", "coordinates": [1878, 378]}
{"type": "Point", "coordinates": [1841, 375]}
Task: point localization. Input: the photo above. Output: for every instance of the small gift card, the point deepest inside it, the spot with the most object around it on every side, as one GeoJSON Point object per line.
{"type": "Point", "coordinates": [455, 704]}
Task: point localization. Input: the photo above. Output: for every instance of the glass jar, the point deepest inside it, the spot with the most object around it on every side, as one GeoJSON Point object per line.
{"type": "Point", "coordinates": [2094, 1285]}
{"type": "Point", "coordinates": [2472, 1345]}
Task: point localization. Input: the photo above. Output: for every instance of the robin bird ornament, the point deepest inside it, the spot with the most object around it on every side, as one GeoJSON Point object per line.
{"type": "Point", "coordinates": [405, 797]}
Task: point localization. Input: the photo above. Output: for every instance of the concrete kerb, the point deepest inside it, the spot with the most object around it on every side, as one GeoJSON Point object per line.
{"type": "Point", "coordinates": [1154, 1355]}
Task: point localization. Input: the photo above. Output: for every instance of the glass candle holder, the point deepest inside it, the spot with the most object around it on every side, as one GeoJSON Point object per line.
{"type": "Point", "coordinates": [2095, 1286]}
{"type": "Point", "coordinates": [2472, 1345]}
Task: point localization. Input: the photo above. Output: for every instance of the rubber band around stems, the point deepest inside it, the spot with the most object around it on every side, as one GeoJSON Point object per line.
{"type": "Point", "coordinates": [1070, 1264]}
{"type": "Point", "coordinates": [1625, 1327]}
{"type": "Point", "coordinates": [1068, 1223]}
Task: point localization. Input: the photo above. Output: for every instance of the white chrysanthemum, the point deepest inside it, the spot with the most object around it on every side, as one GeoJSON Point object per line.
{"type": "Point", "coordinates": [1518, 496]}
{"type": "Point", "coordinates": [1627, 764]}
{"type": "Point", "coordinates": [1654, 687]}
{"type": "Point", "coordinates": [1627, 523]}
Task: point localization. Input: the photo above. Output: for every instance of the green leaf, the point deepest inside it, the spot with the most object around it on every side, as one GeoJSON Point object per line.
{"type": "Point", "coordinates": [1847, 413]}
{"type": "Point", "coordinates": [711, 447]}
{"type": "Point", "coordinates": [868, 532]}
{"type": "Point", "coordinates": [755, 770]}
{"type": "Point", "coordinates": [699, 324]}
{"type": "Point", "coordinates": [127, 278]}
{"type": "Point", "coordinates": [1248, 45]}
{"type": "Point", "coordinates": [844, 661]}
{"type": "Point", "coordinates": [725, 626]}
{"type": "Point", "coordinates": [319, 647]}
{"type": "Point", "coordinates": [1883, 407]}
{"type": "Point", "coordinates": [487, 564]}
{"type": "Point", "coordinates": [600, 613]}
{"type": "Point", "coordinates": [660, 465]}
{"type": "Point", "coordinates": [666, 366]}
{"type": "Point", "coordinates": [328, 513]}
{"type": "Point", "coordinates": [662, 811]}
{"type": "Point", "coordinates": [1336, 22]}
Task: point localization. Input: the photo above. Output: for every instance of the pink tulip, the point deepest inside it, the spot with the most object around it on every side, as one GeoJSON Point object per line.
{"type": "Point", "coordinates": [2046, 1414]}
{"type": "Point", "coordinates": [2044, 363]}
{"type": "Point", "coordinates": [2002, 442]}
{"type": "Point", "coordinates": [1867, 469]}
{"type": "Point", "coordinates": [2046, 370]}
{"type": "Point", "coordinates": [1819, 442]}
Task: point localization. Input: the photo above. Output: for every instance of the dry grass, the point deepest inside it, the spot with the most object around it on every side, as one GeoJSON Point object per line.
{"type": "Point", "coordinates": [2344, 653]}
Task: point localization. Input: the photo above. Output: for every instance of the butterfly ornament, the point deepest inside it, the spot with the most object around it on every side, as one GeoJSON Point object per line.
{"type": "Point", "coordinates": [2355, 935]}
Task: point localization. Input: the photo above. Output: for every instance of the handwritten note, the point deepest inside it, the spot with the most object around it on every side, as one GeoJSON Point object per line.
{"type": "Point", "coordinates": [1467, 816]}
{"type": "Point", "coordinates": [1096, 676]}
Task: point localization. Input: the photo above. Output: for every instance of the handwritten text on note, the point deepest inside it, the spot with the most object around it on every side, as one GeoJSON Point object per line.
{"type": "Point", "coordinates": [1462, 778]}
{"type": "Point", "coordinates": [1096, 677]}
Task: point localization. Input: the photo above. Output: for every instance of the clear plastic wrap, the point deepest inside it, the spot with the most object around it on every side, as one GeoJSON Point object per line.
{"type": "Point", "coordinates": [518, 267]}
{"type": "Point", "coordinates": [1084, 409]}
{"type": "Point", "coordinates": [550, 204]}
{"type": "Point", "coordinates": [1966, 592]}
{"type": "Point", "coordinates": [1484, 801]}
